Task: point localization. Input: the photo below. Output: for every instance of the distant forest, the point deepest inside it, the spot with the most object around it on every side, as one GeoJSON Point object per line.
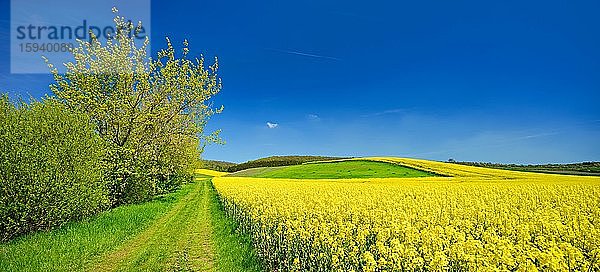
{"type": "Point", "coordinates": [582, 168]}
{"type": "Point", "coordinates": [263, 162]}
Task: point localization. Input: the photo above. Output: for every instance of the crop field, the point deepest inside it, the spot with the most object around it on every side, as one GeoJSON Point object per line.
{"type": "Point", "coordinates": [343, 169]}
{"type": "Point", "coordinates": [365, 214]}
{"type": "Point", "coordinates": [463, 218]}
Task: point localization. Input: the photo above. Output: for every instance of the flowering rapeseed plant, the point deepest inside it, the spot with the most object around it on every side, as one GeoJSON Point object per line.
{"type": "Point", "coordinates": [473, 219]}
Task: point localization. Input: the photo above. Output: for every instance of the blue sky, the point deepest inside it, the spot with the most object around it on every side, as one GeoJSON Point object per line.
{"type": "Point", "coordinates": [502, 81]}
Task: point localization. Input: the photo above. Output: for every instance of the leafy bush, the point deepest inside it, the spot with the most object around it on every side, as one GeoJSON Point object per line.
{"type": "Point", "coordinates": [122, 128]}
{"type": "Point", "coordinates": [49, 167]}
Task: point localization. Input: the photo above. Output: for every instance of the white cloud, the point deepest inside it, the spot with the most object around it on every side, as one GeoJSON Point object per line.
{"type": "Point", "coordinates": [272, 125]}
{"type": "Point", "coordinates": [313, 117]}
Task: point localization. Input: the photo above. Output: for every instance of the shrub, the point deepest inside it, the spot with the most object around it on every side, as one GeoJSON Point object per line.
{"type": "Point", "coordinates": [49, 167]}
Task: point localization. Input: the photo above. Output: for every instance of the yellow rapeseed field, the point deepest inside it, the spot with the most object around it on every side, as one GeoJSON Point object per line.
{"type": "Point", "coordinates": [471, 219]}
{"type": "Point", "coordinates": [208, 172]}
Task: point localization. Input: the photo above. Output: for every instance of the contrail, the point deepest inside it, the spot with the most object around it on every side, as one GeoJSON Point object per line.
{"type": "Point", "coordinates": [305, 54]}
{"type": "Point", "coordinates": [392, 111]}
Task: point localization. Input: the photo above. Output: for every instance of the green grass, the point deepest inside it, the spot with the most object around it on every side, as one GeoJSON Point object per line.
{"type": "Point", "coordinates": [234, 250]}
{"type": "Point", "coordinates": [183, 231]}
{"type": "Point", "coordinates": [344, 169]}
{"type": "Point", "coordinates": [76, 245]}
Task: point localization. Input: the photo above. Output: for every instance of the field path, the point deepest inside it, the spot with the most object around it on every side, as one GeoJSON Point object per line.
{"type": "Point", "coordinates": [180, 240]}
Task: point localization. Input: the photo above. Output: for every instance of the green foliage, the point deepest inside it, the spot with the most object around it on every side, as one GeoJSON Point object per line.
{"type": "Point", "coordinates": [49, 167]}
{"type": "Point", "coordinates": [279, 161]}
{"type": "Point", "coordinates": [151, 113]}
{"type": "Point", "coordinates": [221, 166]}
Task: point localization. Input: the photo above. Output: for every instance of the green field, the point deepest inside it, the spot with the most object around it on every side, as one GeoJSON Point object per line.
{"type": "Point", "coordinates": [183, 231]}
{"type": "Point", "coordinates": [342, 169]}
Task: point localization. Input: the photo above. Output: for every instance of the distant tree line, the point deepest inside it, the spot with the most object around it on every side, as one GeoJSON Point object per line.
{"type": "Point", "coordinates": [591, 168]}
{"type": "Point", "coordinates": [120, 128]}
{"type": "Point", "coordinates": [221, 166]}
{"type": "Point", "coordinates": [272, 161]}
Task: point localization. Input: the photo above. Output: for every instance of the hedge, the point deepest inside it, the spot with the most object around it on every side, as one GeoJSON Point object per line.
{"type": "Point", "coordinates": [50, 169]}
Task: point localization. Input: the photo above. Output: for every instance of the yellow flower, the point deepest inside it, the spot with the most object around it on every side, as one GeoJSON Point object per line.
{"type": "Point", "coordinates": [471, 219]}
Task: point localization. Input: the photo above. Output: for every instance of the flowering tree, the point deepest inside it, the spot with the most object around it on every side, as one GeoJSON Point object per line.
{"type": "Point", "coordinates": [151, 112]}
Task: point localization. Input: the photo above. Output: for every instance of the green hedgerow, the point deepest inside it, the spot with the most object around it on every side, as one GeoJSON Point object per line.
{"type": "Point", "coordinates": [49, 167]}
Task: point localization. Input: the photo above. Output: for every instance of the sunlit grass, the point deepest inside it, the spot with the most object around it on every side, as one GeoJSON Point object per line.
{"type": "Point", "coordinates": [181, 230]}
{"type": "Point", "coordinates": [76, 245]}
{"type": "Point", "coordinates": [344, 169]}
